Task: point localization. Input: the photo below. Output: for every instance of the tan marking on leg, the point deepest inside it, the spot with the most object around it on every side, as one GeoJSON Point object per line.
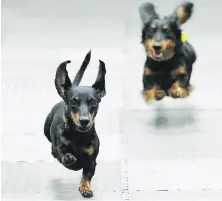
{"type": "Point", "coordinates": [84, 185]}
{"type": "Point", "coordinates": [177, 91]}
{"type": "Point", "coordinates": [180, 70]}
{"type": "Point", "coordinates": [160, 94]}
{"type": "Point", "coordinates": [89, 150]}
{"type": "Point", "coordinates": [150, 94]}
{"type": "Point", "coordinates": [147, 71]}
{"type": "Point", "coordinates": [65, 141]}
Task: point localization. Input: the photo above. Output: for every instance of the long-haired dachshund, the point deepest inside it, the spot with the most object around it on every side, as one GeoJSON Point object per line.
{"type": "Point", "coordinates": [169, 62]}
{"type": "Point", "coordinates": [70, 124]}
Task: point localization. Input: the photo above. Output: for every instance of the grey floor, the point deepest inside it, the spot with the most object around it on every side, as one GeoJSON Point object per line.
{"type": "Point", "coordinates": [170, 150]}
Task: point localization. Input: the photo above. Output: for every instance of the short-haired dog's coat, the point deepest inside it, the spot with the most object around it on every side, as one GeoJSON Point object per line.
{"type": "Point", "coordinates": [70, 124]}
{"type": "Point", "coordinates": [169, 62]}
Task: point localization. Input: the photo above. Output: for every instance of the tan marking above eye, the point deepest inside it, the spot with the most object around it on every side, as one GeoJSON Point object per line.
{"type": "Point", "coordinates": [153, 26]}
{"type": "Point", "coordinates": [165, 27]}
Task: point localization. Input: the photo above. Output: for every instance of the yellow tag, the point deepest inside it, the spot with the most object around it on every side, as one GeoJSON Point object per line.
{"type": "Point", "coordinates": [183, 37]}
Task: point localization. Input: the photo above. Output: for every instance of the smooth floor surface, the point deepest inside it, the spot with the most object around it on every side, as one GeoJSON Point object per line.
{"type": "Point", "coordinates": [167, 150]}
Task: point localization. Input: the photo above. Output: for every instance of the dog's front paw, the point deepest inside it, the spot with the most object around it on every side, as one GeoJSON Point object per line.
{"type": "Point", "coordinates": [177, 91]}
{"type": "Point", "coordinates": [68, 160]}
{"type": "Point", "coordinates": [85, 189]}
{"type": "Point", "coordinates": [160, 94]}
{"type": "Point", "coordinates": [86, 193]}
{"type": "Point", "coordinates": [153, 94]}
{"type": "Point", "coordinates": [148, 95]}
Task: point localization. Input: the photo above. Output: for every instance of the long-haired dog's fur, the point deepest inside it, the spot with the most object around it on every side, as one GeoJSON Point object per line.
{"type": "Point", "coordinates": [70, 124]}
{"type": "Point", "coordinates": [169, 62]}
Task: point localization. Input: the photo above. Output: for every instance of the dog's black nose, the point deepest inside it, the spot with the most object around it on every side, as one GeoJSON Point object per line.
{"type": "Point", "coordinates": [84, 122]}
{"type": "Point", "coordinates": [157, 46]}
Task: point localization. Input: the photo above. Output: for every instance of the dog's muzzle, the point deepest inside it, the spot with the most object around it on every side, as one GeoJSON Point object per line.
{"type": "Point", "coordinates": [84, 124]}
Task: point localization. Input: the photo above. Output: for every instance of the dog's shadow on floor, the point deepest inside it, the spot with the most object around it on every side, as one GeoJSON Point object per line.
{"type": "Point", "coordinates": [64, 190]}
{"type": "Point", "coordinates": [173, 118]}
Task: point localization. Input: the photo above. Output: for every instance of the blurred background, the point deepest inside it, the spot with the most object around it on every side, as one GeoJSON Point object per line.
{"type": "Point", "coordinates": [172, 146]}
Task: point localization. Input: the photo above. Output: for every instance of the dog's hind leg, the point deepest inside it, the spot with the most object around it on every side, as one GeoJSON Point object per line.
{"type": "Point", "coordinates": [47, 126]}
{"type": "Point", "coordinates": [180, 86]}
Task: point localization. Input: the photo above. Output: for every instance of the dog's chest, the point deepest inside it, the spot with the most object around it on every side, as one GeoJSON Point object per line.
{"type": "Point", "coordinates": [77, 148]}
{"type": "Point", "coordinates": [82, 150]}
{"type": "Point", "coordinates": [162, 67]}
{"type": "Point", "coordinates": [162, 73]}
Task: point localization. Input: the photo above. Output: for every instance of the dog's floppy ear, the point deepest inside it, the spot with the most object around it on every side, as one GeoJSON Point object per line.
{"type": "Point", "coordinates": [147, 12]}
{"type": "Point", "coordinates": [62, 81]}
{"type": "Point", "coordinates": [183, 12]}
{"type": "Point", "coordinates": [100, 84]}
{"type": "Point", "coordinates": [82, 69]}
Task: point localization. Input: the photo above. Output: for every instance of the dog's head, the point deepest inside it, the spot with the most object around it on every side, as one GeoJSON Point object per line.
{"type": "Point", "coordinates": [161, 36]}
{"type": "Point", "coordinates": [82, 102]}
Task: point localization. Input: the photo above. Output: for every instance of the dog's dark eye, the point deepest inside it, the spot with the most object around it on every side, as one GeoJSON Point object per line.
{"type": "Point", "coordinates": [166, 30]}
{"type": "Point", "coordinates": [93, 102]}
{"type": "Point", "coordinates": [74, 102]}
{"type": "Point", "coordinates": [170, 35]}
{"type": "Point", "coordinates": [152, 30]}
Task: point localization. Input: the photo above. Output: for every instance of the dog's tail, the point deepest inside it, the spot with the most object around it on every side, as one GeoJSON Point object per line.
{"type": "Point", "coordinates": [82, 69]}
{"type": "Point", "coordinates": [47, 126]}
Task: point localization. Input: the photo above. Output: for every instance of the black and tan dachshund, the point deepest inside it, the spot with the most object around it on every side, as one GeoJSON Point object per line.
{"type": "Point", "coordinates": [169, 62]}
{"type": "Point", "coordinates": [70, 124]}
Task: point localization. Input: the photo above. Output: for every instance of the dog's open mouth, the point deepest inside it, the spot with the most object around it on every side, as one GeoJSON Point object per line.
{"type": "Point", "coordinates": [157, 54]}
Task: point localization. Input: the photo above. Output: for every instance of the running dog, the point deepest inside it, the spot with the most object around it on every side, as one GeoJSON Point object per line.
{"type": "Point", "coordinates": [70, 125]}
{"type": "Point", "coordinates": [169, 61]}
